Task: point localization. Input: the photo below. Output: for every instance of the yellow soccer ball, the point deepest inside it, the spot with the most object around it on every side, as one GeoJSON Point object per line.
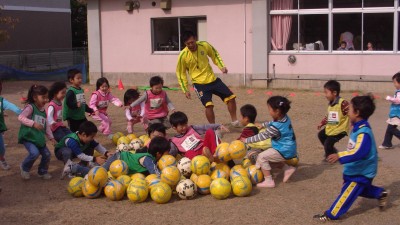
{"type": "Point", "coordinates": [161, 193]}
{"type": "Point", "coordinates": [237, 149]}
{"type": "Point", "coordinates": [170, 175]}
{"type": "Point", "coordinates": [75, 186]}
{"type": "Point", "coordinates": [123, 140]}
{"type": "Point", "coordinates": [125, 180]}
{"type": "Point", "coordinates": [246, 163]}
{"type": "Point", "coordinates": [145, 139]}
{"type": "Point", "coordinates": [131, 136]}
{"type": "Point", "coordinates": [213, 166]}
{"type": "Point", "coordinates": [203, 184]}
{"type": "Point", "coordinates": [114, 190]}
{"type": "Point", "coordinates": [200, 165]}
{"type": "Point", "coordinates": [90, 191]}
{"type": "Point", "coordinates": [241, 186]}
{"type": "Point", "coordinates": [137, 191]}
{"type": "Point", "coordinates": [220, 188]}
{"type": "Point", "coordinates": [223, 167]}
{"type": "Point", "coordinates": [238, 170]}
{"type": "Point", "coordinates": [256, 175]}
{"type": "Point", "coordinates": [109, 176]}
{"type": "Point", "coordinates": [293, 161]}
{"type": "Point", "coordinates": [219, 174]}
{"type": "Point", "coordinates": [150, 177]}
{"type": "Point", "coordinates": [222, 152]}
{"type": "Point", "coordinates": [139, 175]}
{"type": "Point", "coordinates": [98, 176]}
{"type": "Point", "coordinates": [118, 168]}
{"type": "Point", "coordinates": [116, 136]}
{"type": "Point", "coordinates": [166, 160]}
{"type": "Point", "coordinates": [194, 177]}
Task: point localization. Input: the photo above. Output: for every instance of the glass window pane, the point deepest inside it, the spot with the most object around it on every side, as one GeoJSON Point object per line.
{"type": "Point", "coordinates": [164, 32]}
{"type": "Point", "coordinates": [378, 3]}
{"type": "Point", "coordinates": [188, 24]}
{"type": "Point", "coordinates": [347, 29]}
{"type": "Point", "coordinates": [347, 4]}
{"type": "Point", "coordinates": [284, 32]}
{"type": "Point", "coordinates": [313, 4]}
{"type": "Point", "coordinates": [283, 4]}
{"type": "Point", "coordinates": [378, 30]}
{"type": "Point", "coordinates": [314, 32]}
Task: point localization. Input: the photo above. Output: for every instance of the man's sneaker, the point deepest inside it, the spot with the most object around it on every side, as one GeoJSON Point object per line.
{"type": "Point", "coordinates": [25, 175]}
{"type": "Point", "coordinates": [385, 147]}
{"type": "Point", "coordinates": [4, 165]}
{"type": "Point", "coordinates": [45, 176]}
{"type": "Point", "coordinates": [383, 199]}
{"type": "Point", "coordinates": [235, 124]}
{"type": "Point", "coordinates": [321, 217]}
{"type": "Point", "coordinates": [67, 169]}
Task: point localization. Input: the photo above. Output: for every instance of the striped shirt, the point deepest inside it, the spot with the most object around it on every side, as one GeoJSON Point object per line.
{"type": "Point", "coordinates": [270, 132]}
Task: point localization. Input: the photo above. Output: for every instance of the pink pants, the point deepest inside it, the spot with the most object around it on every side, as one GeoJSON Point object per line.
{"type": "Point", "coordinates": [105, 126]}
{"type": "Point", "coordinates": [130, 125]}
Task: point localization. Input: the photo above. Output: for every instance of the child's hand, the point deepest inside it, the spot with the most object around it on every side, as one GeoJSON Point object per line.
{"type": "Point", "coordinates": [319, 126]}
{"type": "Point", "coordinates": [388, 98]}
{"type": "Point", "coordinates": [258, 125]}
{"type": "Point", "coordinates": [53, 141]}
{"type": "Point", "coordinates": [243, 139]}
{"type": "Point", "coordinates": [223, 128]}
{"type": "Point", "coordinates": [38, 126]}
{"type": "Point", "coordinates": [99, 160]}
{"type": "Point", "coordinates": [332, 158]}
{"type": "Point", "coordinates": [127, 106]}
{"type": "Point", "coordinates": [96, 112]}
{"type": "Point", "coordinates": [78, 104]}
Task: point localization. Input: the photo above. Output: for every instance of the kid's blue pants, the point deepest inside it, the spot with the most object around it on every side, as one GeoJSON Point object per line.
{"type": "Point", "coordinates": [353, 187]}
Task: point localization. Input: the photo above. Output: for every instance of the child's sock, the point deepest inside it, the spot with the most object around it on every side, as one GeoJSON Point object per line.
{"type": "Point", "coordinates": [268, 182]}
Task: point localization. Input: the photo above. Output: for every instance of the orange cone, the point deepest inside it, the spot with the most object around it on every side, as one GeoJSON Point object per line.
{"type": "Point", "coordinates": [120, 85]}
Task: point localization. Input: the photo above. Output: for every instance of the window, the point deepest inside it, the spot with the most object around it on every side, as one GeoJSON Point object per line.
{"type": "Point", "coordinates": [378, 3]}
{"type": "Point", "coordinates": [314, 32]}
{"type": "Point", "coordinates": [284, 32]}
{"type": "Point", "coordinates": [166, 32]}
{"type": "Point", "coordinates": [378, 30]}
{"type": "Point", "coordinates": [347, 29]}
{"type": "Point", "coordinates": [347, 3]}
{"type": "Point", "coordinates": [313, 4]}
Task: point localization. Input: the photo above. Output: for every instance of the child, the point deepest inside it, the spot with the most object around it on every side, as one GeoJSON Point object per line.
{"type": "Point", "coordinates": [189, 141]}
{"type": "Point", "coordinates": [283, 141]}
{"type": "Point", "coordinates": [133, 114]}
{"type": "Point", "coordinates": [54, 110]}
{"type": "Point", "coordinates": [74, 102]}
{"type": "Point", "coordinates": [5, 105]}
{"type": "Point", "coordinates": [33, 130]}
{"type": "Point", "coordinates": [360, 162]}
{"type": "Point", "coordinates": [394, 115]}
{"type": "Point", "coordinates": [249, 114]}
{"type": "Point", "coordinates": [157, 130]}
{"type": "Point", "coordinates": [337, 121]}
{"type": "Point", "coordinates": [157, 103]}
{"type": "Point", "coordinates": [144, 163]}
{"type": "Point", "coordinates": [81, 145]}
{"type": "Point", "coordinates": [99, 104]}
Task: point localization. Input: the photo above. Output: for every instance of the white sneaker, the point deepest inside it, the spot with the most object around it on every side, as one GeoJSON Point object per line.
{"type": "Point", "coordinates": [4, 165]}
{"type": "Point", "coordinates": [235, 124]}
{"type": "Point", "coordinates": [384, 147]}
{"type": "Point", "coordinates": [25, 175]}
{"type": "Point", "coordinates": [45, 176]}
{"type": "Point", "coordinates": [67, 169]}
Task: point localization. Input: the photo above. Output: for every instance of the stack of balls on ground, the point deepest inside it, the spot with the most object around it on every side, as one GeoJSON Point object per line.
{"type": "Point", "coordinates": [129, 142]}
{"type": "Point", "coordinates": [187, 177]}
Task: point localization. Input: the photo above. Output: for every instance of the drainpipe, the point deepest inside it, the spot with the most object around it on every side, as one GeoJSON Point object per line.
{"type": "Point", "coordinates": [245, 45]}
{"type": "Point", "coordinates": [101, 43]}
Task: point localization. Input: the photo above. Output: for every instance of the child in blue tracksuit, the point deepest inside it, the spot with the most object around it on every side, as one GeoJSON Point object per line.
{"type": "Point", "coordinates": [360, 162]}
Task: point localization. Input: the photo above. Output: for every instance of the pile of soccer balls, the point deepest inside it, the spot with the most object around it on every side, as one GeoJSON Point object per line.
{"type": "Point", "coordinates": [187, 177]}
{"type": "Point", "coordinates": [129, 142]}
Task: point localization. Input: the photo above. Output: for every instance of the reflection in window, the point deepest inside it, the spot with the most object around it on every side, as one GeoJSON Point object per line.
{"type": "Point", "coordinates": [313, 4]}
{"type": "Point", "coordinates": [347, 28]}
{"type": "Point", "coordinates": [378, 30]}
{"type": "Point", "coordinates": [284, 32]}
{"type": "Point", "coordinates": [347, 3]}
{"type": "Point", "coordinates": [314, 32]}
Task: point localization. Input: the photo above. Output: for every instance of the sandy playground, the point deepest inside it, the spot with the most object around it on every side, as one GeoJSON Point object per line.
{"type": "Point", "coordinates": [311, 189]}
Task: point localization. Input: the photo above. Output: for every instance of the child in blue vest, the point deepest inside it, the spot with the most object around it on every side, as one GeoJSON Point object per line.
{"type": "Point", "coordinates": [284, 147]}
{"type": "Point", "coordinates": [5, 105]}
{"type": "Point", "coordinates": [394, 115]}
{"type": "Point", "coordinates": [34, 128]}
{"type": "Point", "coordinates": [360, 162]}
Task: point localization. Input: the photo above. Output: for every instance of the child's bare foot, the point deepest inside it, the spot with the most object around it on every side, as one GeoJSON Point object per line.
{"type": "Point", "coordinates": [288, 172]}
{"type": "Point", "coordinates": [207, 153]}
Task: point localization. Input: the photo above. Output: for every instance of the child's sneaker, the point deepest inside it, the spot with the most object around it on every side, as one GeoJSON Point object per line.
{"type": "Point", "coordinates": [235, 124]}
{"type": "Point", "coordinates": [4, 165]}
{"type": "Point", "coordinates": [25, 175]}
{"type": "Point", "coordinates": [385, 147]}
{"type": "Point", "coordinates": [322, 217]}
{"type": "Point", "coordinates": [383, 199]}
{"type": "Point", "coordinates": [288, 172]}
{"type": "Point", "coordinates": [268, 182]}
{"type": "Point", "coordinates": [45, 176]}
{"type": "Point", "coordinates": [67, 169]}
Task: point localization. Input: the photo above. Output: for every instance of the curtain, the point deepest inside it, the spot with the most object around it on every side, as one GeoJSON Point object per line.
{"type": "Point", "coordinates": [281, 24]}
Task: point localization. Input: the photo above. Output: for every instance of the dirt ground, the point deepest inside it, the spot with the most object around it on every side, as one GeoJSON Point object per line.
{"type": "Point", "coordinates": [311, 189]}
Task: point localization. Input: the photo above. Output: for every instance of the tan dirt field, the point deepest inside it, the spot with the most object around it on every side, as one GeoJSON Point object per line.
{"type": "Point", "coordinates": [311, 190]}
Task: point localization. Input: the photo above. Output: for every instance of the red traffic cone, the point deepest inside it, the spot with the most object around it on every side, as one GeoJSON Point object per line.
{"type": "Point", "coordinates": [120, 85]}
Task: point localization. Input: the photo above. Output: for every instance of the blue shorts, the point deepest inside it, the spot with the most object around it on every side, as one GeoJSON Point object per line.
{"type": "Point", "coordinates": [218, 88]}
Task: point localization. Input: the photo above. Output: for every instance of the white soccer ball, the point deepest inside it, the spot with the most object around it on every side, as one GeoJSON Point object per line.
{"type": "Point", "coordinates": [122, 147]}
{"type": "Point", "coordinates": [184, 166]}
{"type": "Point", "coordinates": [136, 144]}
{"type": "Point", "coordinates": [186, 189]}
